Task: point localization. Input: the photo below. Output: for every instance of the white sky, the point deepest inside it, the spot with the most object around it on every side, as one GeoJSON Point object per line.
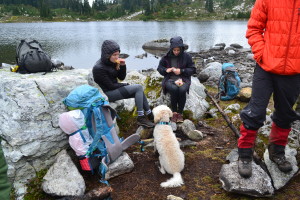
{"type": "Point", "coordinates": [91, 2]}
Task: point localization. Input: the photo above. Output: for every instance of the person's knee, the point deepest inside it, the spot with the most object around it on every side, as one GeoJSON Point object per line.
{"type": "Point", "coordinates": [182, 91]}
{"type": "Point", "coordinates": [252, 119]}
{"type": "Point", "coordinates": [139, 87]}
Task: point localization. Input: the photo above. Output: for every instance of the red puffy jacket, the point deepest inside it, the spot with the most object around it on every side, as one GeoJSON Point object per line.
{"type": "Point", "coordinates": [274, 35]}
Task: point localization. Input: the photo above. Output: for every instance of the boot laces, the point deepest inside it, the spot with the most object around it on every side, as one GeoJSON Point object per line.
{"type": "Point", "coordinates": [280, 160]}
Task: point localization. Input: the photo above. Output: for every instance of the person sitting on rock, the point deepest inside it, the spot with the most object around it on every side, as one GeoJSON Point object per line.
{"type": "Point", "coordinates": [108, 69]}
{"type": "Point", "coordinates": [275, 43]}
{"type": "Point", "coordinates": [177, 67]}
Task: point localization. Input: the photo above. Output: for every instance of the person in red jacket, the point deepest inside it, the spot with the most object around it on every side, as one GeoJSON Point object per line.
{"type": "Point", "coordinates": [274, 35]}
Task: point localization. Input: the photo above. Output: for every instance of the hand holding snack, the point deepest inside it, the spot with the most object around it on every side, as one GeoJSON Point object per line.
{"type": "Point", "coordinates": [120, 61]}
{"type": "Point", "coordinates": [169, 69]}
{"type": "Point", "coordinates": [179, 82]}
{"type": "Point", "coordinates": [176, 71]}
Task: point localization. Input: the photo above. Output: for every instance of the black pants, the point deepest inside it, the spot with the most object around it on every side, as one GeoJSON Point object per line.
{"type": "Point", "coordinates": [285, 90]}
{"type": "Point", "coordinates": [130, 91]}
{"type": "Point", "coordinates": [178, 95]}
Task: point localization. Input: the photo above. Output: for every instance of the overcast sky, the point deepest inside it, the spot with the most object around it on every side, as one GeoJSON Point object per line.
{"type": "Point", "coordinates": [91, 2]}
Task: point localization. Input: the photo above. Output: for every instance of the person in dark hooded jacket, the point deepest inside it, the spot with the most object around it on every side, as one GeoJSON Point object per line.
{"type": "Point", "coordinates": [177, 67]}
{"type": "Point", "coordinates": [108, 69]}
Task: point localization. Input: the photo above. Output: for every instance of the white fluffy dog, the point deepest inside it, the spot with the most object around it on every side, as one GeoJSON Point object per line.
{"type": "Point", "coordinates": [171, 158]}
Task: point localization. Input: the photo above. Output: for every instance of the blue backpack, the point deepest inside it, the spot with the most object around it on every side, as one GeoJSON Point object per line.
{"type": "Point", "coordinates": [229, 82]}
{"type": "Point", "coordinates": [99, 117]}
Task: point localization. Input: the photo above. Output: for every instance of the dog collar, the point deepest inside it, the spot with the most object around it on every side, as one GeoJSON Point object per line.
{"type": "Point", "coordinates": [164, 123]}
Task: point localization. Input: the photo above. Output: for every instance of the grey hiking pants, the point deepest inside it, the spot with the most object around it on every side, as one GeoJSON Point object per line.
{"type": "Point", "coordinates": [285, 90]}
{"type": "Point", "coordinates": [130, 91]}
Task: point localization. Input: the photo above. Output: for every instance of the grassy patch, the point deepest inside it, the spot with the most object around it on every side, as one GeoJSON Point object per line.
{"type": "Point", "coordinates": [213, 154]}
{"type": "Point", "coordinates": [153, 87]}
{"type": "Point", "coordinates": [126, 123]}
{"type": "Point", "coordinates": [34, 187]}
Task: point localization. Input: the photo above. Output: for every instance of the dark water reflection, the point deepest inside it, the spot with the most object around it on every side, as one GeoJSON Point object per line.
{"type": "Point", "coordinates": [78, 43]}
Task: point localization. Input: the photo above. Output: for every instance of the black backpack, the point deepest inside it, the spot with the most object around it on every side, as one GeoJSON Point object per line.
{"type": "Point", "coordinates": [31, 58]}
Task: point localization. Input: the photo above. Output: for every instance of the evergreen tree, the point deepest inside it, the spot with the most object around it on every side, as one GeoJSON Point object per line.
{"type": "Point", "coordinates": [209, 5]}
{"type": "Point", "coordinates": [99, 5]}
{"type": "Point", "coordinates": [147, 7]}
{"type": "Point", "coordinates": [45, 9]}
{"type": "Point", "coordinates": [86, 8]}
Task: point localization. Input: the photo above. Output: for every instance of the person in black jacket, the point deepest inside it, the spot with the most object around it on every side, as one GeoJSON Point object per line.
{"type": "Point", "coordinates": [108, 69]}
{"type": "Point", "coordinates": [177, 67]}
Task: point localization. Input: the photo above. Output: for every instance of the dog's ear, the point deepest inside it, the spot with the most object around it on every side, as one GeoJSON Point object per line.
{"type": "Point", "coordinates": [155, 114]}
{"type": "Point", "coordinates": [170, 113]}
{"type": "Point", "coordinates": [156, 119]}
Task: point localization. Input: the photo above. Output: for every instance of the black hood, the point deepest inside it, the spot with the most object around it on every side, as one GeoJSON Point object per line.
{"type": "Point", "coordinates": [108, 48]}
{"type": "Point", "coordinates": [176, 42]}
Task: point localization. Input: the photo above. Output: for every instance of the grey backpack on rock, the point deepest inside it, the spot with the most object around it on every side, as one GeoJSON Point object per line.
{"type": "Point", "coordinates": [31, 58]}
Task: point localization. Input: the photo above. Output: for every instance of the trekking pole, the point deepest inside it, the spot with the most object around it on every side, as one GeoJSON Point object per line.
{"type": "Point", "coordinates": [232, 127]}
{"type": "Point", "coordinates": [230, 124]}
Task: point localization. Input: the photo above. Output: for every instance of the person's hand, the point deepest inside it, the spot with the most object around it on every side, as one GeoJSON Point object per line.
{"type": "Point", "coordinates": [179, 82]}
{"type": "Point", "coordinates": [169, 70]}
{"type": "Point", "coordinates": [176, 71]}
{"type": "Point", "coordinates": [120, 61]}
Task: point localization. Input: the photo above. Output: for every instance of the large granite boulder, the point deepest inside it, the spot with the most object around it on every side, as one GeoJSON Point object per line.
{"type": "Point", "coordinates": [30, 105]}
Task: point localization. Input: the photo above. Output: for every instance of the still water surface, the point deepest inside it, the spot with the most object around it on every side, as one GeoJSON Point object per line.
{"type": "Point", "coordinates": [79, 43]}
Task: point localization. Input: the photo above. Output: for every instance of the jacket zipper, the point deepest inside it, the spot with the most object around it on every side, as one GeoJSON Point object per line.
{"type": "Point", "coordinates": [289, 40]}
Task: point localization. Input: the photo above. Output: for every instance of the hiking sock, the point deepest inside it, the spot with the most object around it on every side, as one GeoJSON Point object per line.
{"type": "Point", "coordinates": [149, 115]}
{"type": "Point", "coordinates": [148, 112]}
{"type": "Point", "coordinates": [140, 113]}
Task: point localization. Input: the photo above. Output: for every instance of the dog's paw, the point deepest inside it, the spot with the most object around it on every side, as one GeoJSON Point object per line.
{"type": "Point", "coordinates": [162, 170]}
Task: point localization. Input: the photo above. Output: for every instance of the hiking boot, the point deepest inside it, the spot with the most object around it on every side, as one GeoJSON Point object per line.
{"type": "Point", "coordinates": [245, 162]}
{"type": "Point", "coordinates": [150, 116]}
{"type": "Point", "coordinates": [143, 121]}
{"type": "Point", "coordinates": [277, 155]}
{"type": "Point", "coordinates": [174, 118]}
{"type": "Point", "coordinates": [179, 118]}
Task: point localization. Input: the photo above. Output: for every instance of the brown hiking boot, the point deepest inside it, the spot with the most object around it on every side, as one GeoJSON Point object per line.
{"type": "Point", "coordinates": [245, 162]}
{"type": "Point", "coordinates": [179, 118]}
{"type": "Point", "coordinates": [143, 121]}
{"type": "Point", "coordinates": [277, 155]}
{"type": "Point", "coordinates": [174, 118]}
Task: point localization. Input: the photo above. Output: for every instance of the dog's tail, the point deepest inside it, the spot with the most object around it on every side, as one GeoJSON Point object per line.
{"type": "Point", "coordinates": [175, 181]}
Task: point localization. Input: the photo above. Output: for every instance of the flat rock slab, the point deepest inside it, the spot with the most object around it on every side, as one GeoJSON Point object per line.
{"type": "Point", "coordinates": [122, 165]}
{"type": "Point", "coordinates": [279, 178]}
{"type": "Point", "coordinates": [258, 185]}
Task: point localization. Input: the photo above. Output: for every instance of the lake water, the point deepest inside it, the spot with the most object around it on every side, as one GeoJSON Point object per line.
{"type": "Point", "coordinates": [79, 43]}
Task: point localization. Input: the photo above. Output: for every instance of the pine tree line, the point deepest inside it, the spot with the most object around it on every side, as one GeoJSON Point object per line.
{"type": "Point", "coordinates": [107, 9]}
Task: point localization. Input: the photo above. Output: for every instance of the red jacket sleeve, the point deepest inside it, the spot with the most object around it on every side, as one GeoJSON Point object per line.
{"type": "Point", "coordinates": [256, 28]}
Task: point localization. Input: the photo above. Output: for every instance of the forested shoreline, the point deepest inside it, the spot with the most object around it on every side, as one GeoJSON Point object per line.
{"type": "Point", "coordinates": [71, 10]}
